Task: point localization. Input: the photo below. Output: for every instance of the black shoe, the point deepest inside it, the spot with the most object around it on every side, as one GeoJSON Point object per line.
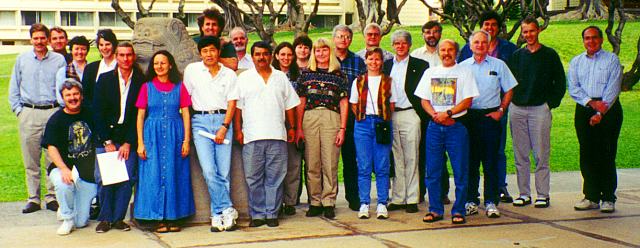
{"type": "Point", "coordinates": [103, 227]}
{"type": "Point", "coordinates": [394, 207]}
{"type": "Point", "coordinates": [411, 208]}
{"type": "Point", "coordinates": [314, 211]}
{"type": "Point", "coordinates": [120, 225]}
{"type": "Point", "coordinates": [504, 196]}
{"type": "Point", "coordinates": [330, 212]}
{"type": "Point", "coordinates": [256, 222]}
{"type": "Point", "coordinates": [355, 206]}
{"type": "Point", "coordinates": [94, 212]}
{"type": "Point", "coordinates": [31, 207]}
{"type": "Point", "coordinates": [446, 200]}
{"type": "Point", "coordinates": [53, 205]}
{"type": "Point", "coordinates": [289, 210]}
{"type": "Point", "coordinates": [272, 222]}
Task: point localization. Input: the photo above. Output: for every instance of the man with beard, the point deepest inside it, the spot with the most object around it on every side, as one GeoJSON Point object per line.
{"type": "Point", "coordinates": [240, 40]}
{"type": "Point", "coordinates": [33, 100]}
{"type": "Point", "coordinates": [58, 41]}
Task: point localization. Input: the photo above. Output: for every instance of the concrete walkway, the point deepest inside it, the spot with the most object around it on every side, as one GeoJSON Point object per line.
{"type": "Point", "coordinates": [557, 226]}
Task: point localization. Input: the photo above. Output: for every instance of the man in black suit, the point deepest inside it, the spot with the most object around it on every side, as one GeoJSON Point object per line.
{"type": "Point", "coordinates": [115, 124]}
{"type": "Point", "coordinates": [408, 120]}
{"type": "Point", "coordinates": [106, 42]}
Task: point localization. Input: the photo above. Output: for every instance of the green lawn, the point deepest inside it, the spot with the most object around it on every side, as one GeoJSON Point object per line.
{"type": "Point", "coordinates": [564, 37]}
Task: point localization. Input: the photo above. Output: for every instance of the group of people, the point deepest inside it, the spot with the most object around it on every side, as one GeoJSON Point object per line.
{"type": "Point", "coordinates": [308, 103]}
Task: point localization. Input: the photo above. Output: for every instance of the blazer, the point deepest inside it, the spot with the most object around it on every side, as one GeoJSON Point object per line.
{"type": "Point", "coordinates": [106, 106]}
{"type": "Point", "coordinates": [415, 69]}
{"type": "Point", "coordinates": [89, 82]}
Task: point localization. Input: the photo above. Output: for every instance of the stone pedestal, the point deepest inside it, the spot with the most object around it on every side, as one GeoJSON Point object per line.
{"type": "Point", "coordinates": [238, 192]}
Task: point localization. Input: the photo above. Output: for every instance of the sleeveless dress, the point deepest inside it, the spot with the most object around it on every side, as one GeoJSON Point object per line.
{"type": "Point", "coordinates": [164, 187]}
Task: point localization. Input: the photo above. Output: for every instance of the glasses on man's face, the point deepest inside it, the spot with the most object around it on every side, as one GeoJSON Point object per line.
{"type": "Point", "coordinates": [343, 37]}
{"type": "Point", "coordinates": [373, 34]}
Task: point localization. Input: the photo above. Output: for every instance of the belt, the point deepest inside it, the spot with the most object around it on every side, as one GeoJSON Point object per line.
{"type": "Point", "coordinates": [483, 111]}
{"type": "Point", "coordinates": [217, 111]}
{"type": "Point", "coordinates": [48, 106]}
{"type": "Point", "coordinates": [402, 109]}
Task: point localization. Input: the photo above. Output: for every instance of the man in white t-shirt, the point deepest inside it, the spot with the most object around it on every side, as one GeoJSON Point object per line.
{"type": "Point", "coordinates": [447, 92]}
{"type": "Point", "coordinates": [265, 98]}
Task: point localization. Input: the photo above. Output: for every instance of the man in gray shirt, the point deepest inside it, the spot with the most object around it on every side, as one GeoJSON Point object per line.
{"type": "Point", "coordinates": [33, 100]}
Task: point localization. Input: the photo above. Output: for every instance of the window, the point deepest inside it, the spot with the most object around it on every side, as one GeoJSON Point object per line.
{"type": "Point", "coordinates": [44, 17]}
{"type": "Point", "coordinates": [76, 18]}
{"type": "Point", "coordinates": [192, 19]}
{"type": "Point", "coordinates": [7, 18]}
{"type": "Point", "coordinates": [110, 19]}
{"type": "Point", "coordinates": [323, 21]}
{"type": "Point", "coordinates": [138, 16]}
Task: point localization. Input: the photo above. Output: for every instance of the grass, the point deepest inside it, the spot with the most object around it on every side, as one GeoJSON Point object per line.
{"type": "Point", "coordinates": [564, 37]}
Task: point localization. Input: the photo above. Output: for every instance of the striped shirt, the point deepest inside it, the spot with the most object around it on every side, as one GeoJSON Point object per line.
{"type": "Point", "coordinates": [598, 76]}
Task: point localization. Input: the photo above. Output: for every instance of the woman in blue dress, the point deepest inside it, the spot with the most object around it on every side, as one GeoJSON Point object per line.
{"type": "Point", "coordinates": [164, 188]}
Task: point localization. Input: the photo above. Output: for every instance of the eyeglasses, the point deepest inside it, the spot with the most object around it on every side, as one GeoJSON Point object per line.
{"type": "Point", "coordinates": [373, 34]}
{"type": "Point", "coordinates": [343, 37]}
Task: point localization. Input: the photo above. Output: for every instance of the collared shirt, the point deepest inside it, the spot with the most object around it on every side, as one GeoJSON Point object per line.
{"type": "Point", "coordinates": [374, 87]}
{"type": "Point", "coordinates": [61, 76]}
{"type": "Point", "coordinates": [263, 104]}
{"type": "Point", "coordinates": [446, 87]}
{"type": "Point", "coordinates": [503, 51]}
{"type": "Point", "coordinates": [398, 75]}
{"type": "Point", "coordinates": [433, 58]}
{"type": "Point", "coordinates": [33, 81]}
{"type": "Point", "coordinates": [598, 76]}
{"type": "Point", "coordinates": [245, 62]}
{"type": "Point", "coordinates": [387, 55]}
{"type": "Point", "coordinates": [492, 75]}
{"type": "Point", "coordinates": [124, 93]}
{"type": "Point", "coordinates": [352, 66]}
{"type": "Point", "coordinates": [104, 67]}
{"type": "Point", "coordinates": [210, 92]}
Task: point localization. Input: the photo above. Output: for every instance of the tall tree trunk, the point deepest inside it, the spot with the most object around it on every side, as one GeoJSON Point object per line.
{"type": "Point", "coordinates": [592, 9]}
{"type": "Point", "coordinates": [631, 77]}
{"type": "Point", "coordinates": [233, 17]}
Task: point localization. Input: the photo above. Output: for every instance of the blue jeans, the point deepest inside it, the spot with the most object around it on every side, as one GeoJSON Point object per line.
{"type": "Point", "coordinates": [265, 166]}
{"type": "Point", "coordinates": [215, 159]}
{"type": "Point", "coordinates": [455, 141]}
{"type": "Point", "coordinates": [115, 198]}
{"type": "Point", "coordinates": [74, 199]}
{"type": "Point", "coordinates": [371, 156]}
{"type": "Point", "coordinates": [484, 137]}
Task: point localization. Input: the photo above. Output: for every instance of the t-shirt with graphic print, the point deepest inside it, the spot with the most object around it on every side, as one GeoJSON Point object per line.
{"type": "Point", "coordinates": [446, 87]}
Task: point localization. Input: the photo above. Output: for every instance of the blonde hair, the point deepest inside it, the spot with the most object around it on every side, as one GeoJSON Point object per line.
{"type": "Point", "coordinates": [334, 65]}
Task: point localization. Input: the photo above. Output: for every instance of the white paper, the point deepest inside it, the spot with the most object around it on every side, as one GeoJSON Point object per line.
{"type": "Point", "coordinates": [212, 136]}
{"type": "Point", "coordinates": [112, 169]}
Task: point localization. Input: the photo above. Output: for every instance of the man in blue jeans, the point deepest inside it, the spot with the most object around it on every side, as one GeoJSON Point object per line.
{"type": "Point", "coordinates": [447, 92]}
{"type": "Point", "coordinates": [493, 77]}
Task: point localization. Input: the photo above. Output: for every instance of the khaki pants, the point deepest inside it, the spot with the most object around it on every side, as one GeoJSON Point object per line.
{"type": "Point", "coordinates": [406, 148]}
{"type": "Point", "coordinates": [32, 123]}
{"type": "Point", "coordinates": [292, 179]}
{"type": "Point", "coordinates": [321, 154]}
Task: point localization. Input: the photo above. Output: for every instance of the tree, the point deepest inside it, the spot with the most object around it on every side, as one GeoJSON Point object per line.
{"type": "Point", "coordinates": [591, 9]}
{"type": "Point", "coordinates": [371, 12]}
{"type": "Point", "coordinates": [631, 77]}
{"type": "Point", "coordinates": [144, 12]}
{"type": "Point", "coordinates": [464, 14]}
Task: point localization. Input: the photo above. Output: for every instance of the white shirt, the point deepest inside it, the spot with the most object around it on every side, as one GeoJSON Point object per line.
{"type": "Point", "coordinates": [208, 92]}
{"type": "Point", "coordinates": [446, 87]}
{"type": "Point", "coordinates": [399, 74]}
{"type": "Point", "coordinates": [372, 98]}
{"type": "Point", "coordinates": [433, 58]}
{"type": "Point", "coordinates": [245, 62]}
{"type": "Point", "coordinates": [104, 67]}
{"type": "Point", "coordinates": [124, 93]}
{"type": "Point", "coordinates": [264, 105]}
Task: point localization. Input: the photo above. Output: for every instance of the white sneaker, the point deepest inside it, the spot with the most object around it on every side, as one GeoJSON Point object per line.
{"type": "Point", "coordinates": [471, 208]}
{"type": "Point", "coordinates": [492, 210]}
{"type": "Point", "coordinates": [229, 217]}
{"type": "Point", "coordinates": [381, 212]}
{"type": "Point", "coordinates": [216, 223]}
{"type": "Point", "coordinates": [66, 227]}
{"type": "Point", "coordinates": [364, 211]}
{"type": "Point", "coordinates": [585, 204]}
{"type": "Point", "coordinates": [607, 207]}
{"type": "Point", "coordinates": [59, 214]}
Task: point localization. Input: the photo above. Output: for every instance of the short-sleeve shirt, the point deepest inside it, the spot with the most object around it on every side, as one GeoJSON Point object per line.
{"type": "Point", "coordinates": [143, 96]}
{"type": "Point", "coordinates": [73, 137]}
{"type": "Point", "coordinates": [263, 104]}
{"type": "Point", "coordinates": [210, 92]}
{"type": "Point", "coordinates": [322, 88]}
{"type": "Point", "coordinates": [374, 87]}
{"type": "Point", "coordinates": [432, 58]}
{"type": "Point", "coordinates": [492, 77]}
{"type": "Point", "coordinates": [446, 87]}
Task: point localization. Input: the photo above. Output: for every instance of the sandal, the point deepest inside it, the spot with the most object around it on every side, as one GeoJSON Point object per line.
{"type": "Point", "coordinates": [522, 201]}
{"type": "Point", "coordinates": [458, 219]}
{"type": "Point", "coordinates": [542, 203]}
{"type": "Point", "coordinates": [431, 217]}
{"type": "Point", "coordinates": [173, 227]}
{"type": "Point", "coordinates": [162, 228]}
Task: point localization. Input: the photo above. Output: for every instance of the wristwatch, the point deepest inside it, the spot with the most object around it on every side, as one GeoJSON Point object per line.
{"type": "Point", "coordinates": [501, 109]}
{"type": "Point", "coordinates": [225, 125]}
{"type": "Point", "coordinates": [449, 113]}
{"type": "Point", "coordinates": [107, 142]}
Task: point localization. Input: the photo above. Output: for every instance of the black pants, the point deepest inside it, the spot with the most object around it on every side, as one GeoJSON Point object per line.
{"type": "Point", "coordinates": [349, 164]}
{"type": "Point", "coordinates": [598, 147]}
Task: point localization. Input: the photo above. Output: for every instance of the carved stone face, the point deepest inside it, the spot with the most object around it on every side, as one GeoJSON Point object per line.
{"type": "Point", "coordinates": [152, 34]}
